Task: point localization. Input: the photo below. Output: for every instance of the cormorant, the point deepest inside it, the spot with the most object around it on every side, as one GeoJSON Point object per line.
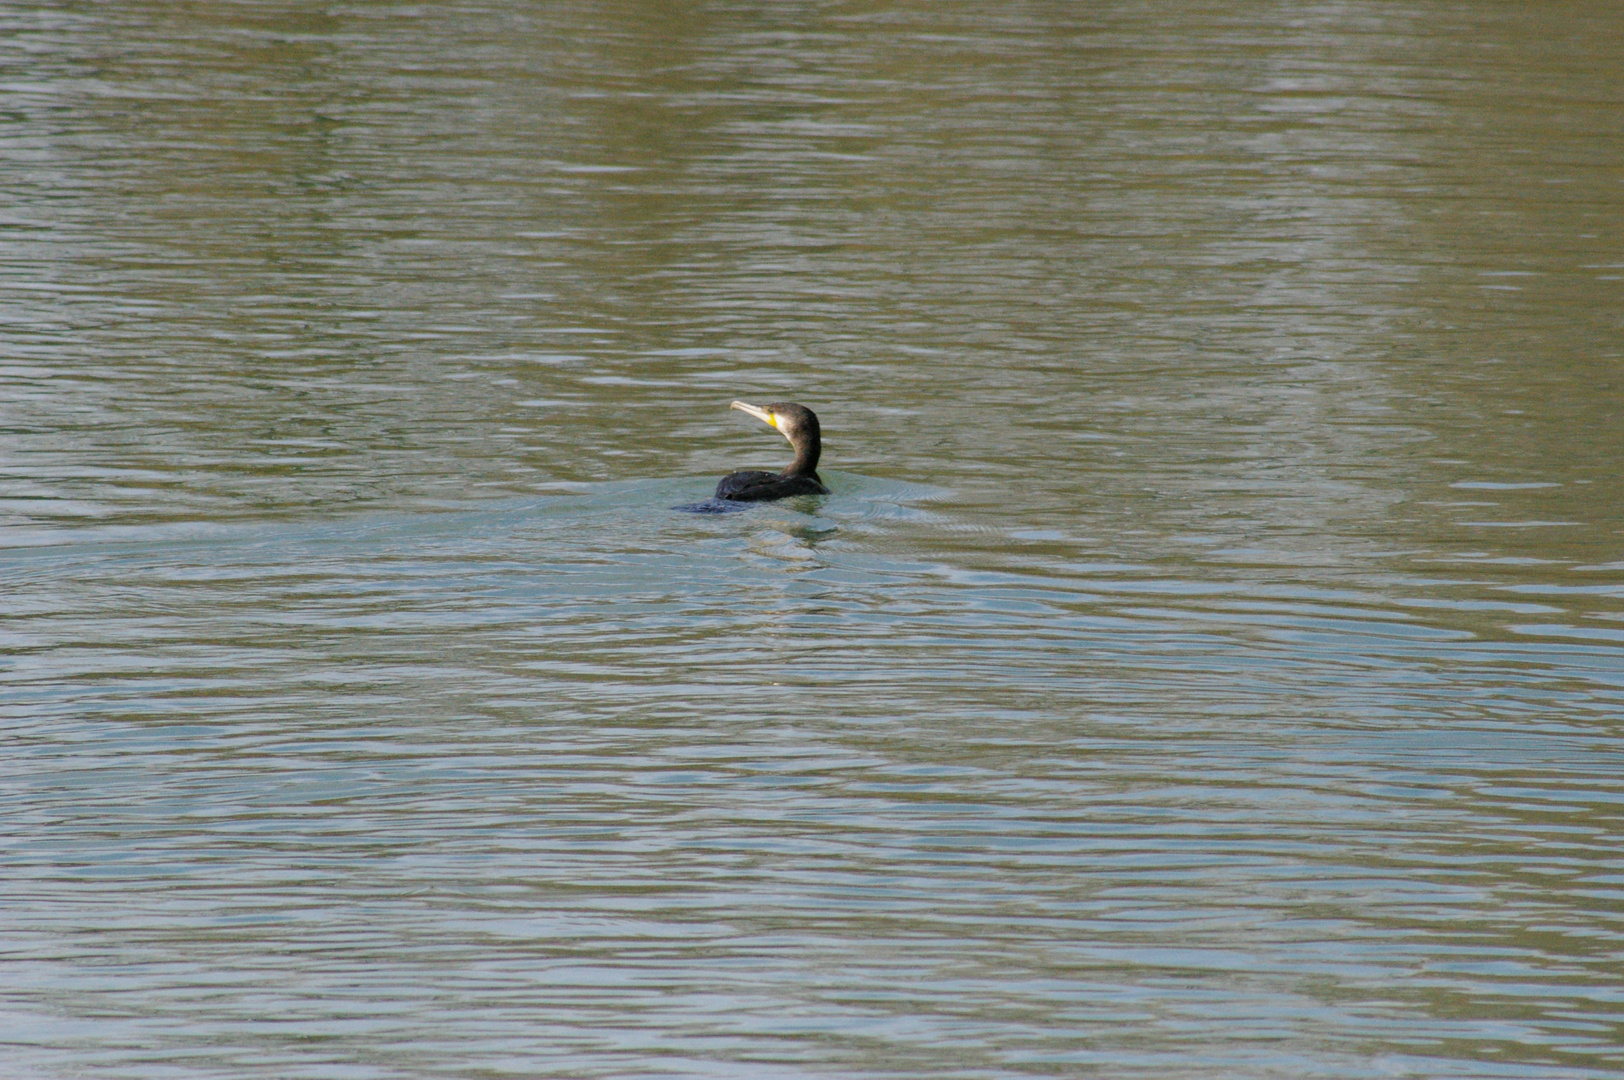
{"type": "Point", "coordinates": [799, 425]}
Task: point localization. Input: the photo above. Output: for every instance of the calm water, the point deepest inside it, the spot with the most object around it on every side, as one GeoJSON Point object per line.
{"type": "Point", "coordinates": [1209, 662]}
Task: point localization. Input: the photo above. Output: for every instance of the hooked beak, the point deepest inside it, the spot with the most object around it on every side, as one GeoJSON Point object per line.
{"type": "Point", "coordinates": [759, 413]}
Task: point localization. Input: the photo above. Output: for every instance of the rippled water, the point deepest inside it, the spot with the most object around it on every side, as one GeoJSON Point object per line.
{"type": "Point", "coordinates": [1209, 661]}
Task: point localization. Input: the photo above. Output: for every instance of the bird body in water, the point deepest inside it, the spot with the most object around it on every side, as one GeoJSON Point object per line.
{"type": "Point", "coordinates": [799, 425]}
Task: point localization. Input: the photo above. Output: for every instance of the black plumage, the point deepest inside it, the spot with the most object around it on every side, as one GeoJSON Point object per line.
{"type": "Point", "coordinates": [799, 425]}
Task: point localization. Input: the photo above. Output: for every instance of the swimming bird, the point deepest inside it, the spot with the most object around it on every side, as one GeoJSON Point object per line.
{"type": "Point", "coordinates": [799, 425]}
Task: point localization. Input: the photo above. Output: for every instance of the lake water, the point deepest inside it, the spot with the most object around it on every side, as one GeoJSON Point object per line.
{"type": "Point", "coordinates": [1209, 662]}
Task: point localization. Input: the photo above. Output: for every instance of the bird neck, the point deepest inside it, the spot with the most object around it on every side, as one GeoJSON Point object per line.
{"type": "Point", "coordinates": [806, 459]}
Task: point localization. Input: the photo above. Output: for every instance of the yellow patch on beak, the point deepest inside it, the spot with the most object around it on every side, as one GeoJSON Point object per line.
{"type": "Point", "coordinates": [764, 415]}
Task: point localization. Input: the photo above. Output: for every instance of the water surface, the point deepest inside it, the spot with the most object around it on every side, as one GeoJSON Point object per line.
{"type": "Point", "coordinates": [1209, 661]}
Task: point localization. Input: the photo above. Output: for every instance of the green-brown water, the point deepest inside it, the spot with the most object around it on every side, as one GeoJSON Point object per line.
{"type": "Point", "coordinates": [1209, 663]}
